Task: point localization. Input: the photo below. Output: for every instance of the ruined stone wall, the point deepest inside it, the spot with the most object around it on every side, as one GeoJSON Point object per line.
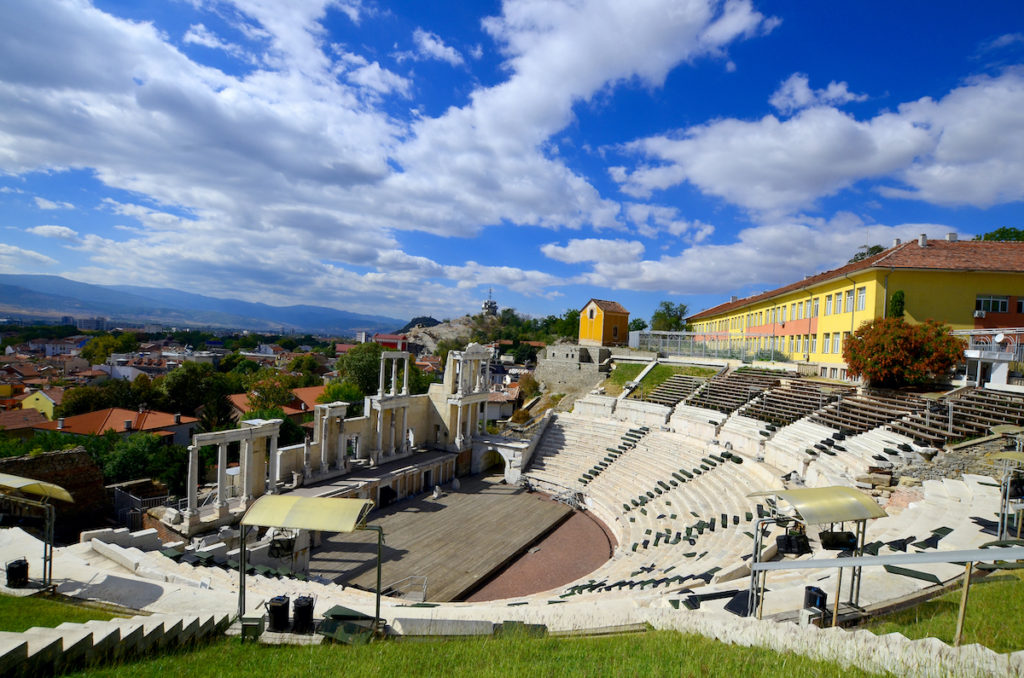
{"type": "Point", "coordinates": [76, 472]}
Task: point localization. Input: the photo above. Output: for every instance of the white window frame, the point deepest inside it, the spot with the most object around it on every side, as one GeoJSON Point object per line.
{"type": "Point", "coordinates": [862, 298]}
{"type": "Point", "coordinates": [828, 304]}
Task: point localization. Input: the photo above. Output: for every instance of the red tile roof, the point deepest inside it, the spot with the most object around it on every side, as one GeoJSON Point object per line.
{"type": "Point", "coordinates": [14, 420]}
{"type": "Point", "coordinates": [100, 421]}
{"type": "Point", "coordinates": [607, 306]}
{"type": "Point", "coordinates": [936, 255]}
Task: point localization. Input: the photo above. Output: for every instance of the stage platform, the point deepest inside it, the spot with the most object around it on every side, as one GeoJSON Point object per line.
{"type": "Point", "coordinates": [457, 541]}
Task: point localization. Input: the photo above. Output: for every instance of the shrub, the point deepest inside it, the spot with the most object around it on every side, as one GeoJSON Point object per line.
{"type": "Point", "coordinates": [889, 352]}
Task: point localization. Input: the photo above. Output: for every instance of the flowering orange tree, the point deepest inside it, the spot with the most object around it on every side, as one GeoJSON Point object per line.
{"type": "Point", "coordinates": [889, 352]}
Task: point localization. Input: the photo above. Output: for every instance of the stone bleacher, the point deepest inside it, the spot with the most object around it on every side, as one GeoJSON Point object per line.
{"type": "Point", "coordinates": [867, 410]}
{"type": "Point", "coordinates": [974, 413]}
{"type": "Point", "coordinates": [793, 399]}
{"type": "Point", "coordinates": [728, 392]}
{"type": "Point", "coordinates": [676, 388]}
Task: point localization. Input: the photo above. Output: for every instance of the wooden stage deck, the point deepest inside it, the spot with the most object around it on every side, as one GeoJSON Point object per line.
{"type": "Point", "coordinates": [457, 541]}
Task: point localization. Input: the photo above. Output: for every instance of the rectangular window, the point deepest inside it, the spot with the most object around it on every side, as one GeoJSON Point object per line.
{"type": "Point", "coordinates": [834, 373]}
{"type": "Point", "coordinates": [862, 297]}
{"type": "Point", "coordinates": [814, 343]}
{"type": "Point", "coordinates": [835, 342]}
{"type": "Point", "coordinates": [990, 303]}
{"type": "Point", "coordinates": [791, 343]}
{"type": "Point", "coordinates": [824, 371]}
{"type": "Point", "coordinates": [828, 304]}
{"type": "Point", "coordinates": [783, 314]}
{"type": "Point", "coordinates": [798, 342]}
{"type": "Point", "coordinates": [814, 312]}
{"type": "Point", "coordinates": [1020, 305]}
{"type": "Point", "coordinates": [849, 302]}
{"type": "Point", "coordinates": [825, 342]}
{"type": "Point", "coordinates": [792, 311]}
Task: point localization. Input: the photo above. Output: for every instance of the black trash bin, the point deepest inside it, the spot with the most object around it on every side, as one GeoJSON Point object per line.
{"type": "Point", "coordinates": [815, 597]}
{"type": "Point", "coordinates": [17, 573]}
{"type": "Point", "coordinates": [278, 609]}
{"type": "Point", "coordinates": [302, 621]}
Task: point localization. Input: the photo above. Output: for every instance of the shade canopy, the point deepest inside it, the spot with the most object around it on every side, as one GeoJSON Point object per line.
{"type": "Point", "coordinates": [40, 488]}
{"type": "Point", "coordinates": [322, 514]}
{"type": "Point", "coordinates": [837, 504]}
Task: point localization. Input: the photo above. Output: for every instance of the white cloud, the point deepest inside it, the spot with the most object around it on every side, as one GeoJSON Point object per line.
{"type": "Point", "coordinates": [44, 204]}
{"type": "Point", "coordinates": [198, 34]}
{"type": "Point", "coordinates": [51, 231]}
{"type": "Point", "coordinates": [768, 255]}
{"type": "Point", "coordinates": [594, 249]}
{"type": "Point", "coordinates": [795, 93]}
{"type": "Point", "coordinates": [431, 46]}
{"type": "Point", "coordinates": [15, 259]}
{"type": "Point", "coordinates": [271, 183]}
{"type": "Point", "coordinates": [773, 165]}
{"type": "Point", "coordinates": [966, 148]}
{"type": "Point", "coordinates": [649, 220]}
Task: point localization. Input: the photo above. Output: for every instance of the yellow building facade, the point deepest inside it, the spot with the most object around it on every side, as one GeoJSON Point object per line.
{"type": "Point", "coordinates": [603, 323]}
{"type": "Point", "coordinates": [40, 401]}
{"type": "Point", "coordinates": [964, 284]}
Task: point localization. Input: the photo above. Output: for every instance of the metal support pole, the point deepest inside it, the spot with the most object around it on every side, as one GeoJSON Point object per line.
{"type": "Point", "coordinates": [380, 550]}
{"type": "Point", "coordinates": [963, 604]}
{"type": "Point", "coordinates": [241, 574]}
{"type": "Point", "coordinates": [51, 516]}
{"type": "Point", "coordinates": [839, 588]}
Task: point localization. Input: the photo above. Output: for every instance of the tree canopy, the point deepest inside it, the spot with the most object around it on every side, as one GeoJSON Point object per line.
{"type": "Point", "coordinates": [669, 317]}
{"type": "Point", "coordinates": [865, 252]}
{"type": "Point", "coordinates": [98, 349]}
{"type": "Point", "coordinates": [889, 352]}
{"type": "Point", "coordinates": [361, 366]}
{"type": "Point", "coordinates": [1006, 233]}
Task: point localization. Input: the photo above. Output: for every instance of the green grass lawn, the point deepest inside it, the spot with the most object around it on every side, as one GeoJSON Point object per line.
{"type": "Point", "coordinates": [662, 653]}
{"type": "Point", "coordinates": [18, 614]}
{"type": "Point", "coordinates": [994, 610]}
{"type": "Point", "coordinates": [623, 372]}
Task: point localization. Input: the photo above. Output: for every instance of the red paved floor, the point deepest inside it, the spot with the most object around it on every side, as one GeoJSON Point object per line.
{"type": "Point", "coordinates": [577, 547]}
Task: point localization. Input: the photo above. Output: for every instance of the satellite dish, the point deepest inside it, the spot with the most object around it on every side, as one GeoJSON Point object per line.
{"type": "Point", "coordinates": [999, 338]}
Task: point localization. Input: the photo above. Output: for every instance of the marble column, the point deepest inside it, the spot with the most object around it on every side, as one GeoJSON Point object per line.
{"type": "Point", "coordinates": [193, 479]}
{"type": "Point", "coordinates": [222, 475]}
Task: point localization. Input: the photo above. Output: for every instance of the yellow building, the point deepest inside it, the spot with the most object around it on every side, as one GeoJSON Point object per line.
{"type": "Point", "coordinates": [603, 323]}
{"type": "Point", "coordinates": [45, 400]}
{"type": "Point", "coordinates": [965, 284]}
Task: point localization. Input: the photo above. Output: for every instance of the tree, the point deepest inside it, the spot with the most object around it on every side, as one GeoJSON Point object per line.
{"type": "Point", "coordinates": [290, 433]}
{"type": "Point", "coordinates": [361, 366]}
{"type": "Point", "coordinates": [889, 352]}
{"type": "Point", "coordinates": [187, 387]}
{"type": "Point", "coordinates": [669, 317]}
{"type": "Point", "coordinates": [896, 304]}
{"type": "Point", "coordinates": [528, 386]}
{"type": "Point", "coordinates": [216, 415]}
{"type": "Point", "coordinates": [524, 353]}
{"type": "Point", "coordinates": [344, 391]}
{"type": "Point", "coordinates": [637, 325]}
{"type": "Point", "coordinates": [82, 399]}
{"type": "Point", "coordinates": [98, 349]}
{"type": "Point", "coordinates": [1006, 233]}
{"type": "Point", "coordinates": [865, 252]}
{"type": "Point", "coordinates": [271, 389]}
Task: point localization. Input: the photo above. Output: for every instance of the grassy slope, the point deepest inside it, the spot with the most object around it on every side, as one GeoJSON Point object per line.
{"type": "Point", "coordinates": [624, 372]}
{"type": "Point", "coordinates": [992, 605]}
{"type": "Point", "coordinates": [18, 614]}
{"type": "Point", "coordinates": [652, 654]}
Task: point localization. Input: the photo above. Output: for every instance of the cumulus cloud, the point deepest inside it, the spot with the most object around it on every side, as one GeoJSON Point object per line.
{"type": "Point", "coordinates": [965, 148]}
{"type": "Point", "coordinates": [594, 249]}
{"type": "Point", "coordinates": [51, 231]}
{"type": "Point", "coordinates": [773, 164]}
{"type": "Point", "coordinates": [431, 46]}
{"type": "Point", "coordinates": [15, 259]}
{"type": "Point", "coordinates": [198, 34]}
{"type": "Point", "coordinates": [295, 178]}
{"type": "Point", "coordinates": [796, 93]}
{"type": "Point", "coordinates": [44, 204]}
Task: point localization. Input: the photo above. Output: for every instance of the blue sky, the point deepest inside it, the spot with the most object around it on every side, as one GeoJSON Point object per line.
{"type": "Point", "coordinates": [403, 158]}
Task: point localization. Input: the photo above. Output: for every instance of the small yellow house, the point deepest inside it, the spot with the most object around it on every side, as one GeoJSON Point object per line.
{"type": "Point", "coordinates": [604, 323]}
{"type": "Point", "coordinates": [44, 400]}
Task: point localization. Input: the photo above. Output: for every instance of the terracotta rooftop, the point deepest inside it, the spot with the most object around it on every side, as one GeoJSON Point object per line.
{"type": "Point", "coordinates": [20, 419]}
{"type": "Point", "coordinates": [607, 306]}
{"type": "Point", "coordinates": [936, 255]}
{"type": "Point", "coordinates": [100, 421]}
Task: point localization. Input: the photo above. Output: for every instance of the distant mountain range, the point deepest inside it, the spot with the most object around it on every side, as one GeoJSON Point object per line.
{"type": "Point", "coordinates": [54, 295]}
